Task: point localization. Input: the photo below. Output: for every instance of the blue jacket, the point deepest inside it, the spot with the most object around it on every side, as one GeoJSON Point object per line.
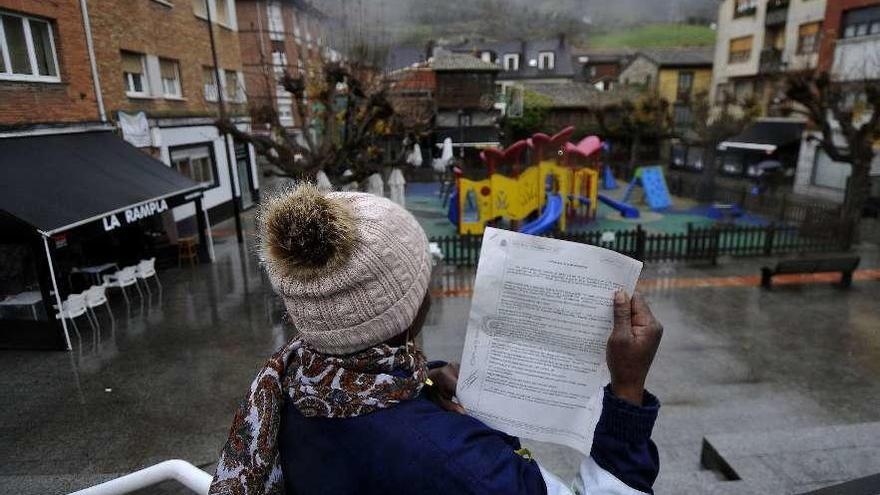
{"type": "Point", "coordinates": [417, 447]}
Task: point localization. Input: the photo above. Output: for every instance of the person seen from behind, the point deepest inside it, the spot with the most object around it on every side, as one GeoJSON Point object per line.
{"type": "Point", "coordinates": [350, 405]}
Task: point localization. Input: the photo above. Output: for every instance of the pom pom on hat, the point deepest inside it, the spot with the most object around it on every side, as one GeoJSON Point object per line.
{"type": "Point", "coordinates": [304, 232]}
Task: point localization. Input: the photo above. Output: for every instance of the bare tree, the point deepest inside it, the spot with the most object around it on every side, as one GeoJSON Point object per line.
{"type": "Point", "coordinates": [634, 121]}
{"type": "Point", "coordinates": [341, 112]}
{"type": "Point", "coordinates": [711, 125]}
{"type": "Point", "coordinates": [850, 111]}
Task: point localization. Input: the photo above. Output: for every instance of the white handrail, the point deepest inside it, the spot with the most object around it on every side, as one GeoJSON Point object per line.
{"type": "Point", "coordinates": [175, 469]}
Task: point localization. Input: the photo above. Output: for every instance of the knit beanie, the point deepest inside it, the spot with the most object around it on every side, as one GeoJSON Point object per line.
{"type": "Point", "coordinates": [352, 268]}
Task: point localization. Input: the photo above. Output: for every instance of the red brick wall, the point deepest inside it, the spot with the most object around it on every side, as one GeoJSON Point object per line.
{"type": "Point", "coordinates": [831, 28]}
{"type": "Point", "coordinates": [71, 100]}
{"type": "Point", "coordinates": [154, 28]}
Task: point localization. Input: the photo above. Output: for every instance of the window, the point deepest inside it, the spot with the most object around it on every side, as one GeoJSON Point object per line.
{"type": "Point", "coordinates": [223, 12]}
{"type": "Point", "coordinates": [285, 111]}
{"type": "Point", "coordinates": [209, 79]}
{"type": "Point", "coordinates": [195, 162]}
{"type": "Point", "coordinates": [27, 49]}
{"type": "Point", "coordinates": [234, 89]}
{"type": "Point", "coordinates": [682, 116]}
{"type": "Point", "coordinates": [743, 90]}
{"type": "Point", "coordinates": [279, 56]}
{"type": "Point", "coordinates": [740, 50]}
{"type": "Point", "coordinates": [134, 74]}
{"type": "Point", "coordinates": [276, 20]}
{"type": "Point", "coordinates": [200, 8]}
{"type": "Point", "coordinates": [808, 37]}
{"type": "Point", "coordinates": [296, 30]}
{"type": "Point", "coordinates": [511, 61]}
{"type": "Point", "coordinates": [486, 57]}
{"type": "Point", "coordinates": [170, 72]}
{"type": "Point", "coordinates": [546, 60]}
{"type": "Point", "coordinates": [745, 7]}
{"type": "Point", "coordinates": [685, 85]}
{"type": "Point", "coordinates": [464, 120]}
{"type": "Point", "coordinates": [861, 22]}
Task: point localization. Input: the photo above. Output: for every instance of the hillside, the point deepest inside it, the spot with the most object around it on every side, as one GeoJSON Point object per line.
{"type": "Point", "coordinates": [654, 36]}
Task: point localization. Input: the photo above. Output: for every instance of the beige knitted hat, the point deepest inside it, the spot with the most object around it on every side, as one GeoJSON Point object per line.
{"type": "Point", "coordinates": [352, 268]}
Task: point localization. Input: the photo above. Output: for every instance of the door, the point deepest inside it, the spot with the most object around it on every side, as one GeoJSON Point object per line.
{"type": "Point", "coordinates": [245, 182]}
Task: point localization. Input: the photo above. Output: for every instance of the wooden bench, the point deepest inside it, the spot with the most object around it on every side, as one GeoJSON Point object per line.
{"type": "Point", "coordinates": [846, 266]}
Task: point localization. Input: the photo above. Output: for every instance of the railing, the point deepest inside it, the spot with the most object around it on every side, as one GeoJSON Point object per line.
{"type": "Point", "coordinates": [188, 475]}
{"type": "Point", "coordinates": [696, 244]}
{"type": "Point", "coordinates": [771, 60]}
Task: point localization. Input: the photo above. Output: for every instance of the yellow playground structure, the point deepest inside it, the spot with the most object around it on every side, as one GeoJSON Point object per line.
{"type": "Point", "coordinates": [561, 180]}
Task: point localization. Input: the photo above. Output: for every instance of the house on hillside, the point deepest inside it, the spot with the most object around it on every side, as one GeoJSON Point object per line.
{"type": "Point", "coordinates": [465, 103]}
{"type": "Point", "coordinates": [676, 75]}
{"type": "Point", "coordinates": [600, 68]}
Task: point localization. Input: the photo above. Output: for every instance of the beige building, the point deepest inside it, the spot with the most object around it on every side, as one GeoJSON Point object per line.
{"type": "Point", "coordinates": [758, 41]}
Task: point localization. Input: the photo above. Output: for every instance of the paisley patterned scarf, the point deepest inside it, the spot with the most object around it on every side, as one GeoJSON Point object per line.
{"type": "Point", "coordinates": [319, 385]}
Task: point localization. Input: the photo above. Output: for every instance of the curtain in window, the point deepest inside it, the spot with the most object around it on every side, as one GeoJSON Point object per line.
{"type": "Point", "coordinates": [131, 63]}
{"type": "Point", "coordinates": [741, 44]}
{"type": "Point", "coordinates": [43, 48]}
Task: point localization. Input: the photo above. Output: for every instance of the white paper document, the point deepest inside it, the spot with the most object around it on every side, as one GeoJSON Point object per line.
{"type": "Point", "coordinates": [533, 364]}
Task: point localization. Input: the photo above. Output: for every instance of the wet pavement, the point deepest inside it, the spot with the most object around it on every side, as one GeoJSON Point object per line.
{"type": "Point", "coordinates": [163, 378]}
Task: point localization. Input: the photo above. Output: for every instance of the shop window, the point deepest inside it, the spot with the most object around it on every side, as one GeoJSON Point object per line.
{"type": "Point", "coordinates": [134, 74]}
{"type": "Point", "coordinates": [740, 49]}
{"type": "Point", "coordinates": [546, 60]}
{"type": "Point", "coordinates": [195, 162]}
{"type": "Point", "coordinates": [861, 22]}
{"type": "Point", "coordinates": [511, 61]}
{"type": "Point", "coordinates": [170, 71]}
{"type": "Point", "coordinates": [732, 164]}
{"type": "Point", "coordinates": [209, 80]}
{"type": "Point", "coordinates": [27, 49]}
{"type": "Point", "coordinates": [808, 37]}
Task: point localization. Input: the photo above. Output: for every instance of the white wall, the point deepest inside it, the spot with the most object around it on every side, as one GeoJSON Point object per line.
{"type": "Point", "coordinates": [172, 137]}
{"type": "Point", "coordinates": [829, 173]}
{"type": "Point", "coordinates": [801, 12]}
{"type": "Point", "coordinates": [730, 28]}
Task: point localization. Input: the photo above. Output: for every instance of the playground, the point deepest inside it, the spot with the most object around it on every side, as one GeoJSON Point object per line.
{"type": "Point", "coordinates": [548, 184]}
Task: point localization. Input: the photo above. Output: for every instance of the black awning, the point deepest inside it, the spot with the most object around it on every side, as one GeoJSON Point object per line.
{"type": "Point", "coordinates": [767, 136]}
{"type": "Point", "coordinates": [60, 181]}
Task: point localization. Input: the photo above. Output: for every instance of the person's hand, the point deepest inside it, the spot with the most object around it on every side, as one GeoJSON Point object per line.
{"type": "Point", "coordinates": [631, 346]}
{"type": "Point", "coordinates": [442, 391]}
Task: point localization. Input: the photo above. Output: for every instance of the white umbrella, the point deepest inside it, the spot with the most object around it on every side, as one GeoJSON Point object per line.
{"type": "Point", "coordinates": [323, 182]}
{"type": "Point", "coordinates": [414, 157]}
{"type": "Point", "coordinates": [445, 159]}
{"type": "Point", "coordinates": [351, 186]}
{"type": "Point", "coordinates": [375, 185]}
{"type": "Point", "coordinates": [397, 184]}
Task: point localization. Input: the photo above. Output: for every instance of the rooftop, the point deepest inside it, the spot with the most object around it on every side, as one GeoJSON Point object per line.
{"type": "Point", "coordinates": [446, 61]}
{"type": "Point", "coordinates": [579, 94]}
{"type": "Point", "coordinates": [681, 57]}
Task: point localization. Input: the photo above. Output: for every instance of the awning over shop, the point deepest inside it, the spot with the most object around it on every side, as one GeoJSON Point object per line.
{"type": "Point", "coordinates": [60, 181]}
{"type": "Point", "coordinates": [766, 136]}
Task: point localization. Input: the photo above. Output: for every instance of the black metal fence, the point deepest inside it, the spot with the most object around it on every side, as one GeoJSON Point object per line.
{"type": "Point", "coordinates": [696, 244]}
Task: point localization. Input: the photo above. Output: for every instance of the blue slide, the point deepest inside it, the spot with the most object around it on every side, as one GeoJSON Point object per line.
{"type": "Point", "coordinates": [549, 217]}
{"type": "Point", "coordinates": [453, 208]}
{"type": "Point", "coordinates": [625, 209]}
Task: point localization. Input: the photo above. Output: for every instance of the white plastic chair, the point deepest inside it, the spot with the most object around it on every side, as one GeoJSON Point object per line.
{"type": "Point", "coordinates": [122, 279]}
{"type": "Point", "coordinates": [72, 308]}
{"type": "Point", "coordinates": [96, 296]}
{"type": "Point", "coordinates": [147, 269]}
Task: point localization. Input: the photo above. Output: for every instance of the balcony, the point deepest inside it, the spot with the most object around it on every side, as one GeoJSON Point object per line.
{"type": "Point", "coordinates": [771, 61]}
{"type": "Point", "coordinates": [777, 13]}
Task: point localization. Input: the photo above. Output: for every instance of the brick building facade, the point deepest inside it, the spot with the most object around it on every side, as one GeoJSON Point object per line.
{"type": "Point", "coordinates": [60, 89]}
{"type": "Point", "coordinates": [278, 36]}
{"type": "Point", "coordinates": [154, 56]}
{"type": "Point", "coordinates": [833, 27]}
